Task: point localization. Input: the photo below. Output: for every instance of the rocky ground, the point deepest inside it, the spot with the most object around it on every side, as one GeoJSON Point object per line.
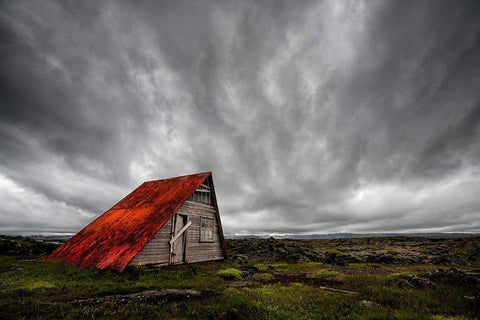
{"type": "Point", "coordinates": [388, 250]}
{"type": "Point", "coordinates": [24, 246]}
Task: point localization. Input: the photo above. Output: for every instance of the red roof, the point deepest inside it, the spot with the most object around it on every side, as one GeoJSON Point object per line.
{"type": "Point", "coordinates": [114, 238]}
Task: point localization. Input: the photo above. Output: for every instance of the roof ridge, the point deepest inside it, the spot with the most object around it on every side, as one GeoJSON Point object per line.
{"type": "Point", "coordinates": [177, 177]}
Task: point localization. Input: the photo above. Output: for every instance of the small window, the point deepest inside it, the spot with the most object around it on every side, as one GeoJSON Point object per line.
{"type": "Point", "coordinates": [202, 195]}
{"type": "Point", "coordinates": [206, 229]}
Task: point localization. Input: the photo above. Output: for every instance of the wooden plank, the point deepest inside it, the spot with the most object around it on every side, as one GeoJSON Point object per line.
{"type": "Point", "coordinates": [178, 254]}
{"type": "Point", "coordinates": [202, 204]}
{"type": "Point", "coordinates": [185, 227]}
{"type": "Point", "coordinates": [171, 236]}
{"type": "Point", "coordinates": [156, 250]}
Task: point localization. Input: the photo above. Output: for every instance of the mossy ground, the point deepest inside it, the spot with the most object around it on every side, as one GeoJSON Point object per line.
{"type": "Point", "coordinates": [268, 290]}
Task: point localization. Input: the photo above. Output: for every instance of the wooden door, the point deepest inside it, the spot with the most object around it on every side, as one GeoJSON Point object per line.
{"type": "Point", "coordinates": [178, 254]}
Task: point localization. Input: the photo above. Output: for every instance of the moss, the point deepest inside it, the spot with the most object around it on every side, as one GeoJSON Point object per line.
{"type": "Point", "coordinates": [327, 274]}
{"type": "Point", "coordinates": [332, 250]}
{"type": "Point", "coordinates": [40, 284]}
{"type": "Point", "coordinates": [364, 266]}
{"type": "Point", "coordinates": [331, 275]}
{"type": "Point", "coordinates": [281, 250]}
{"type": "Point", "coordinates": [262, 267]}
{"type": "Point", "coordinates": [394, 253]}
{"type": "Point", "coordinates": [264, 277]}
{"type": "Point", "coordinates": [299, 267]}
{"type": "Point", "coordinates": [230, 274]}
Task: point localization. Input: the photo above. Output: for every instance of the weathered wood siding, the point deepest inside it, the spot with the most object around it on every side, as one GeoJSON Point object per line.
{"type": "Point", "coordinates": [157, 250]}
{"type": "Point", "coordinates": [197, 251]}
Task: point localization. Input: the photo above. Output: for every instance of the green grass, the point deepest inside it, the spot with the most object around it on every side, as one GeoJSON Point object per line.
{"type": "Point", "coordinates": [230, 274]}
{"type": "Point", "coordinates": [327, 274]}
{"type": "Point", "coordinates": [333, 250]}
{"type": "Point", "coordinates": [264, 277]}
{"type": "Point", "coordinates": [36, 290]}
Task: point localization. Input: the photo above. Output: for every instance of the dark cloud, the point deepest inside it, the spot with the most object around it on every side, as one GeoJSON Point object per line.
{"type": "Point", "coordinates": [321, 116]}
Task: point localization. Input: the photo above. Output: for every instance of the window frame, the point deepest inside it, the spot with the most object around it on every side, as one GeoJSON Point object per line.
{"type": "Point", "coordinates": [207, 228]}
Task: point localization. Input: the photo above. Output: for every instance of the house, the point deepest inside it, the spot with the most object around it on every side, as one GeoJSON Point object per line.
{"type": "Point", "coordinates": [161, 222]}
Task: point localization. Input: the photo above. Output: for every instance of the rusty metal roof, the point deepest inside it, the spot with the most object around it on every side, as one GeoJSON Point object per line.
{"type": "Point", "coordinates": [114, 238]}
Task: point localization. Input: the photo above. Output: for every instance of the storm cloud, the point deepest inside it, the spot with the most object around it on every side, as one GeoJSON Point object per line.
{"type": "Point", "coordinates": [314, 116]}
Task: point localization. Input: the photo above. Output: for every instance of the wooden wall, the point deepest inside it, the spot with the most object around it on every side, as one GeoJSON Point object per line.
{"type": "Point", "coordinates": [197, 251]}
{"type": "Point", "coordinates": [158, 249]}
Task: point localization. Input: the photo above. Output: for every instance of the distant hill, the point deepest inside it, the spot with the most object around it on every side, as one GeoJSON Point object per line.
{"type": "Point", "coordinates": [350, 235]}
{"type": "Point", "coordinates": [58, 238]}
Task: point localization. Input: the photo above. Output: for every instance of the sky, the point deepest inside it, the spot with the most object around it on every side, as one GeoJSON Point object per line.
{"type": "Point", "coordinates": [314, 116]}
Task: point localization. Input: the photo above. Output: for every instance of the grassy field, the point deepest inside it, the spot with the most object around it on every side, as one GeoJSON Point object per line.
{"type": "Point", "coordinates": [253, 286]}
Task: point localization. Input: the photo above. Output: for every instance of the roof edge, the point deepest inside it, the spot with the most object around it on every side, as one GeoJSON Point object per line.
{"type": "Point", "coordinates": [208, 173]}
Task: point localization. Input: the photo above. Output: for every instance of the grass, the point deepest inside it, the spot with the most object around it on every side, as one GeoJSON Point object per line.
{"type": "Point", "coordinates": [230, 274]}
{"type": "Point", "coordinates": [264, 277]}
{"type": "Point", "coordinates": [267, 290]}
{"type": "Point", "coordinates": [327, 274]}
{"type": "Point", "coordinates": [39, 290]}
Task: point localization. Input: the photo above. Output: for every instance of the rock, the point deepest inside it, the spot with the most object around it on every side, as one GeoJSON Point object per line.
{"type": "Point", "coordinates": [293, 257]}
{"type": "Point", "coordinates": [180, 307]}
{"type": "Point", "coordinates": [439, 260]}
{"type": "Point", "coordinates": [273, 250]}
{"type": "Point", "coordinates": [368, 304]}
{"type": "Point", "coordinates": [211, 315]}
{"type": "Point", "coordinates": [416, 282]}
{"type": "Point", "coordinates": [338, 259]}
{"type": "Point", "coordinates": [454, 275]}
{"type": "Point", "coordinates": [210, 293]}
{"type": "Point", "coordinates": [386, 258]}
{"type": "Point", "coordinates": [144, 296]}
{"type": "Point", "coordinates": [408, 250]}
{"type": "Point", "coordinates": [24, 246]}
{"type": "Point", "coordinates": [230, 314]}
{"type": "Point", "coordinates": [404, 284]}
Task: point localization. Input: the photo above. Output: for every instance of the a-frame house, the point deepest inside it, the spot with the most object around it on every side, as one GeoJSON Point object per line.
{"type": "Point", "coordinates": [162, 222]}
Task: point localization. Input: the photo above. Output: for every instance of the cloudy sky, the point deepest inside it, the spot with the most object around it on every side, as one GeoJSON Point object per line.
{"type": "Point", "coordinates": [314, 116]}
